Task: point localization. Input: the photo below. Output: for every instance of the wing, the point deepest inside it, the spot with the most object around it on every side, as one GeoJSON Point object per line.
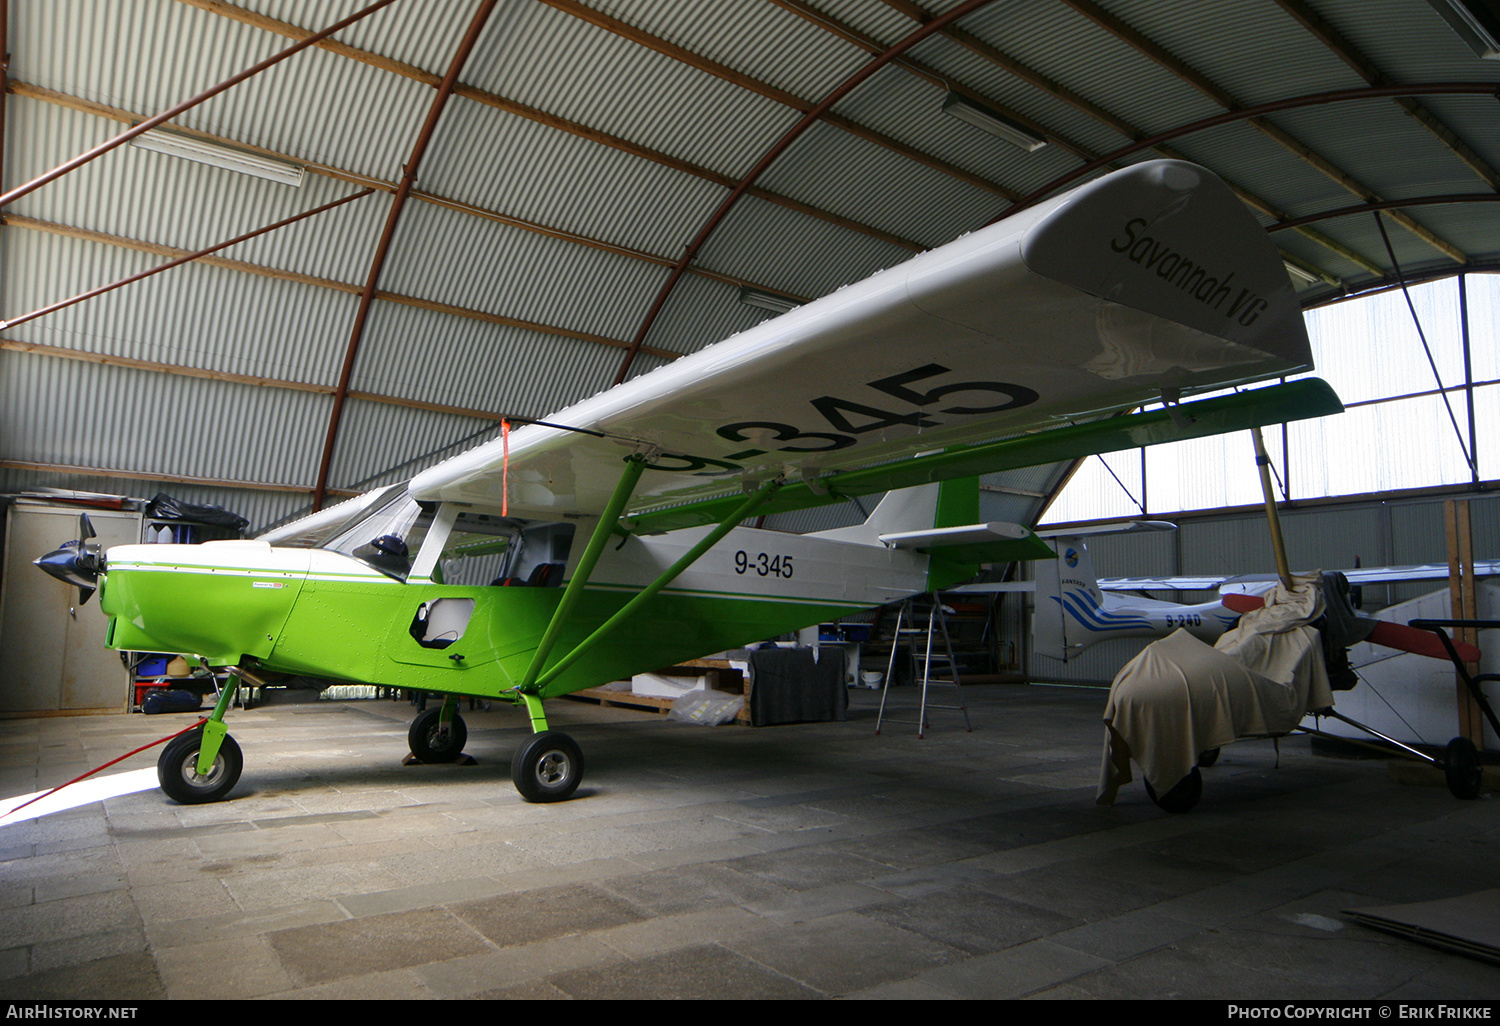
{"type": "Point", "coordinates": [1423, 572]}
{"type": "Point", "coordinates": [1254, 582]}
{"type": "Point", "coordinates": [1152, 281]}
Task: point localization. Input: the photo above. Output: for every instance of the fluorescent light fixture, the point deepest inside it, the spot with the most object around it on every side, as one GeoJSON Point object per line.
{"type": "Point", "coordinates": [224, 157]}
{"type": "Point", "coordinates": [772, 301]}
{"type": "Point", "coordinates": [1300, 274]}
{"type": "Point", "coordinates": [991, 121]}
{"type": "Point", "coordinates": [1477, 23]}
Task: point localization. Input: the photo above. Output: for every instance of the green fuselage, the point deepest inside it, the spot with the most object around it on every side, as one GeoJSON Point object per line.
{"type": "Point", "coordinates": [335, 619]}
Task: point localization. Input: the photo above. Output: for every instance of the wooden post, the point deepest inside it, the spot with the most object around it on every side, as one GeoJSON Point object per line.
{"type": "Point", "coordinates": [1462, 604]}
{"type": "Point", "coordinates": [1278, 544]}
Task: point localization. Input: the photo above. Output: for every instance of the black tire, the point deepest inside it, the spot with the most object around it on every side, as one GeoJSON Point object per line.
{"type": "Point", "coordinates": [177, 769]}
{"type": "Point", "coordinates": [426, 743]}
{"type": "Point", "coordinates": [1183, 795]}
{"type": "Point", "coordinates": [1462, 769]}
{"type": "Point", "coordinates": [1208, 757]}
{"type": "Point", "coordinates": [548, 767]}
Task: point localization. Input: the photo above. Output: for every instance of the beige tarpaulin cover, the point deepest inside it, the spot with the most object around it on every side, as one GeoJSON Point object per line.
{"type": "Point", "coordinates": [1180, 696]}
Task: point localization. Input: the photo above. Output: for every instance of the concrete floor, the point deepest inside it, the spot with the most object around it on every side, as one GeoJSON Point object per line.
{"type": "Point", "coordinates": [801, 861]}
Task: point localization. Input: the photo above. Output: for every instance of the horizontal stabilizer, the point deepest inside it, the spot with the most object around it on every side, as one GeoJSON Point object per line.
{"type": "Point", "coordinates": [1133, 527]}
{"type": "Point", "coordinates": [976, 543]}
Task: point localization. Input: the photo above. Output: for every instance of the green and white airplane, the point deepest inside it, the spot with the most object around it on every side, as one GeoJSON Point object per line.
{"type": "Point", "coordinates": [606, 541]}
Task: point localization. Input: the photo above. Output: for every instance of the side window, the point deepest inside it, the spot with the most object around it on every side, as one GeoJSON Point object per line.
{"type": "Point", "coordinates": [478, 550]}
{"type": "Point", "coordinates": [440, 623]}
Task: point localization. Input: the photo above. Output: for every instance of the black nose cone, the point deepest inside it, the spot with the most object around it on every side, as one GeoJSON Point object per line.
{"type": "Point", "coordinates": [74, 564]}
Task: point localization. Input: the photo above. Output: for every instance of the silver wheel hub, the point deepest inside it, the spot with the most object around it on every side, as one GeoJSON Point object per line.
{"type": "Point", "coordinates": [552, 768]}
{"type": "Point", "coordinates": [194, 778]}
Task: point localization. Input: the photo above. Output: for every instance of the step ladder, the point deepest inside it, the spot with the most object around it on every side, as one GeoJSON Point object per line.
{"type": "Point", "coordinates": [927, 639]}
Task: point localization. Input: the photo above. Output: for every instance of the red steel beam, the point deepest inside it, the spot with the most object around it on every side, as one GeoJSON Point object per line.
{"type": "Point", "coordinates": [1244, 113]}
{"type": "Point", "coordinates": [848, 85]}
{"type": "Point", "coordinates": [91, 293]}
{"type": "Point", "coordinates": [1365, 208]}
{"type": "Point", "coordinates": [168, 115]}
{"type": "Point", "coordinates": [367, 297]}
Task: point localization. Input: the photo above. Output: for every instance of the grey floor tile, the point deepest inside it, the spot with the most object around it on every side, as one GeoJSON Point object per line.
{"type": "Point", "coordinates": [708, 972]}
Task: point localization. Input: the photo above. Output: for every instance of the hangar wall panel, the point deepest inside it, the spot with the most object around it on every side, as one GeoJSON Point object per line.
{"type": "Point", "coordinates": [466, 261]}
{"type": "Point", "coordinates": [78, 414]}
{"type": "Point", "coordinates": [833, 170]}
{"type": "Point", "coordinates": [768, 245]}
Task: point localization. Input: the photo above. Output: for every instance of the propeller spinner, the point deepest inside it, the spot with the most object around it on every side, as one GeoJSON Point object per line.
{"type": "Point", "coordinates": [78, 562]}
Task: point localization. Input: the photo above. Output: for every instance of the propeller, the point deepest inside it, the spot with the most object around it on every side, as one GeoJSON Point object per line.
{"type": "Point", "coordinates": [78, 562]}
{"type": "Point", "coordinates": [1392, 635]}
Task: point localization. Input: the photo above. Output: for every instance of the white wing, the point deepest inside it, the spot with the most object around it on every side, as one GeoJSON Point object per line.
{"type": "Point", "coordinates": [1155, 278]}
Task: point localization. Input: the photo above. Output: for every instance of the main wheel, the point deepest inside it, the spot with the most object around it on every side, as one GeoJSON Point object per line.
{"type": "Point", "coordinates": [177, 769]}
{"type": "Point", "coordinates": [1462, 769]}
{"type": "Point", "coordinates": [547, 768]}
{"type": "Point", "coordinates": [1183, 795]}
{"type": "Point", "coordinates": [427, 741]}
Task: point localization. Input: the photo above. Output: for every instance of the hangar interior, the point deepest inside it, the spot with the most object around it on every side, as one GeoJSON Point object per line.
{"type": "Point", "coordinates": [485, 212]}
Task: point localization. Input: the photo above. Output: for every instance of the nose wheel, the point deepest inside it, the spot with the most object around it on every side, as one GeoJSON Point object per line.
{"type": "Point", "coordinates": [548, 767]}
{"type": "Point", "coordinates": [177, 769]}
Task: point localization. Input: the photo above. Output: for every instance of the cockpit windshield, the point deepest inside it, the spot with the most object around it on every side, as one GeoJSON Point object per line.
{"type": "Point", "coordinates": [388, 536]}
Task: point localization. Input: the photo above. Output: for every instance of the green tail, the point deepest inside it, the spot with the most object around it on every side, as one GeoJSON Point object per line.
{"type": "Point", "coordinates": [957, 506]}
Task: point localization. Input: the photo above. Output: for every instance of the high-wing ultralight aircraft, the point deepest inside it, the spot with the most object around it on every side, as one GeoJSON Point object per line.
{"type": "Point", "coordinates": [605, 541]}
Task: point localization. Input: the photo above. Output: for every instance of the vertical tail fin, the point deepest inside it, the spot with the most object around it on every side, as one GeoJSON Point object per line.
{"type": "Point", "coordinates": [906, 509]}
{"type": "Point", "coordinates": [947, 504]}
{"type": "Point", "coordinates": [1065, 587]}
{"type": "Point", "coordinates": [957, 506]}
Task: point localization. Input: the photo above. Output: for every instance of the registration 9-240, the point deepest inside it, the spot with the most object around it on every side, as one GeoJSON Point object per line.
{"type": "Point", "coordinates": [763, 564]}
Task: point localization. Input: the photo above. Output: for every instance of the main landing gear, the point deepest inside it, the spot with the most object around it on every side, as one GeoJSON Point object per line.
{"type": "Point", "coordinates": [546, 768]}
{"type": "Point", "coordinates": [433, 741]}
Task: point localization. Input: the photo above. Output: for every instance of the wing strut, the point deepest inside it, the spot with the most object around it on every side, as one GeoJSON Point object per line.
{"type": "Point", "coordinates": [635, 465]}
{"type": "Point", "coordinates": [751, 503]}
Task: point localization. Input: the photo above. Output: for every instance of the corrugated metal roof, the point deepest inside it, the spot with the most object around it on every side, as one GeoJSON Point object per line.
{"type": "Point", "coordinates": [771, 246]}
{"type": "Point", "coordinates": [161, 199]}
{"type": "Point", "coordinates": [431, 357]}
{"type": "Point", "coordinates": [76, 414]}
{"type": "Point", "coordinates": [909, 109]}
{"type": "Point", "coordinates": [857, 179]}
{"type": "Point", "coordinates": [1210, 38]}
{"type": "Point", "coordinates": [179, 317]}
{"type": "Point", "coordinates": [1071, 50]}
{"type": "Point", "coordinates": [476, 264]}
{"type": "Point", "coordinates": [1002, 88]}
{"type": "Point", "coordinates": [643, 96]}
{"type": "Point", "coordinates": [761, 40]}
{"type": "Point", "coordinates": [517, 167]}
{"type": "Point", "coordinates": [390, 435]}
